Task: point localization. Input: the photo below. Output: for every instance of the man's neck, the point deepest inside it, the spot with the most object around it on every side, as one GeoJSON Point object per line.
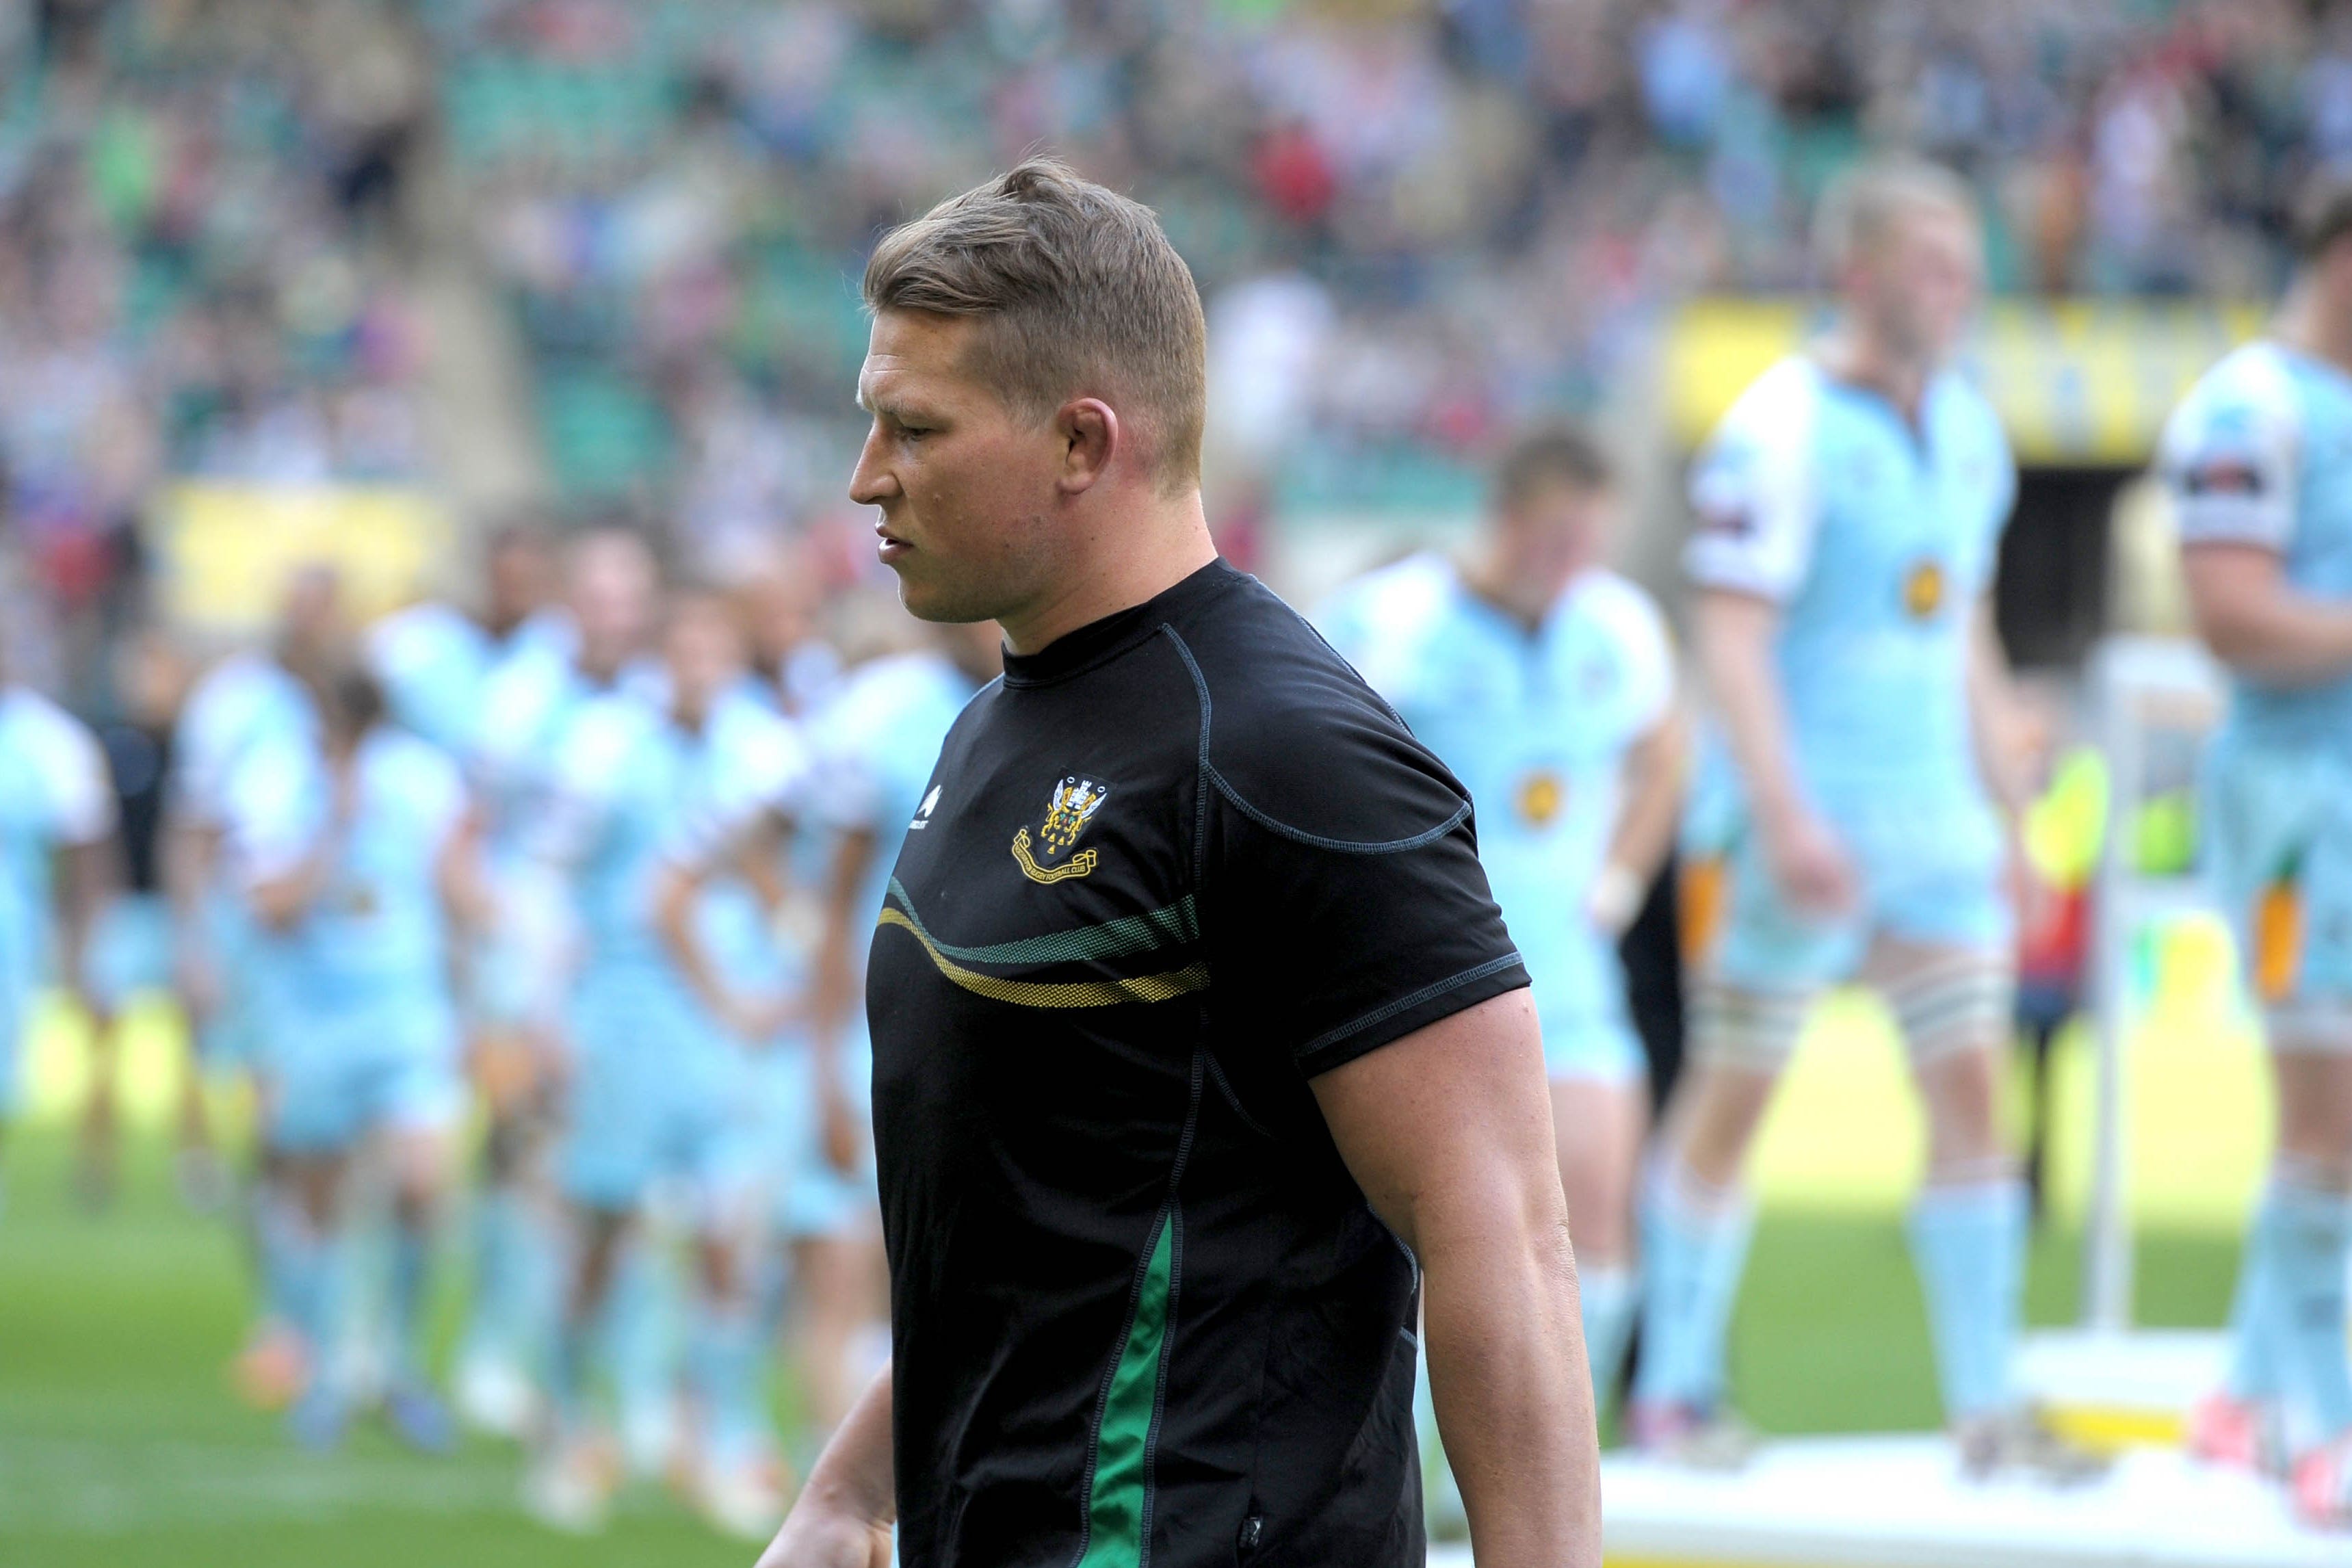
{"type": "Point", "coordinates": [1124, 561]}
{"type": "Point", "coordinates": [2308, 325]}
{"type": "Point", "coordinates": [1493, 579]}
{"type": "Point", "coordinates": [1863, 358]}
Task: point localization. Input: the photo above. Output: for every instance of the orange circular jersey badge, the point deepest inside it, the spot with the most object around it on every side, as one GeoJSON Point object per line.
{"type": "Point", "coordinates": [1540, 796]}
{"type": "Point", "coordinates": [1923, 589]}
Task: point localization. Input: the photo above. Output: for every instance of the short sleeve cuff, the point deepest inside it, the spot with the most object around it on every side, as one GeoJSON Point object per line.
{"type": "Point", "coordinates": [2233, 520]}
{"type": "Point", "coordinates": [1395, 1020]}
{"type": "Point", "coordinates": [1712, 561]}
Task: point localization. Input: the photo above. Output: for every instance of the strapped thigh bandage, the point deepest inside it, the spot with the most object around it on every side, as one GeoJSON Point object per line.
{"type": "Point", "coordinates": [1734, 1026]}
{"type": "Point", "coordinates": [1946, 1000]}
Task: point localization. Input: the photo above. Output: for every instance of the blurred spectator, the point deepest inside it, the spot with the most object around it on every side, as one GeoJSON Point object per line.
{"type": "Point", "coordinates": [1419, 221]}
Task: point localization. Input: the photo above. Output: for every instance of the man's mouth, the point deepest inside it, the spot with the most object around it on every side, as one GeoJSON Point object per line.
{"type": "Point", "coordinates": [890, 546]}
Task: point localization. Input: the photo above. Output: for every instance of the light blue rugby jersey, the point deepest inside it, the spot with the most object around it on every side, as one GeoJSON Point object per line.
{"type": "Point", "coordinates": [1536, 726]}
{"type": "Point", "coordinates": [755, 762]}
{"type": "Point", "coordinates": [635, 791]}
{"type": "Point", "coordinates": [247, 701]}
{"type": "Point", "coordinates": [378, 936]}
{"type": "Point", "coordinates": [875, 744]}
{"type": "Point", "coordinates": [2260, 453]}
{"type": "Point", "coordinates": [53, 793]}
{"type": "Point", "coordinates": [436, 664]}
{"type": "Point", "coordinates": [1877, 540]}
{"type": "Point", "coordinates": [530, 702]}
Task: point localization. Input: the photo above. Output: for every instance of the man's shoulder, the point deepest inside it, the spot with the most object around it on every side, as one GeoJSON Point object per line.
{"type": "Point", "coordinates": [1776, 408]}
{"type": "Point", "coordinates": [1294, 737]}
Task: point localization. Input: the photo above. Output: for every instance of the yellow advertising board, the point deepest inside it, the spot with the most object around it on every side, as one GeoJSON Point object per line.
{"type": "Point", "coordinates": [2079, 383]}
{"type": "Point", "coordinates": [222, 551]}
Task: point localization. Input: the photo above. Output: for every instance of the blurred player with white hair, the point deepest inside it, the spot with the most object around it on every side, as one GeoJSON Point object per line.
{"type": "Point", "coordinates": [1850, 508]}
{"type": "Point", "coordinates": [2258, 459]}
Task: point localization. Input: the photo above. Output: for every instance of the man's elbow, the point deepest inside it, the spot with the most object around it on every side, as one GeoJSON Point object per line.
{"type": "Point", "coordinates": [2239, 640]}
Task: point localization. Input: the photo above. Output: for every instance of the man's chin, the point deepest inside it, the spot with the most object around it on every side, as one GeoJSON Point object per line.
{"type": "Point", "coordinates": [929, 601]}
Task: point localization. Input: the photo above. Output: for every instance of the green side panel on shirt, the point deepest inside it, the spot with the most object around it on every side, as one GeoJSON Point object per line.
{"type": "Point", "coordinates": [1122, 1477]}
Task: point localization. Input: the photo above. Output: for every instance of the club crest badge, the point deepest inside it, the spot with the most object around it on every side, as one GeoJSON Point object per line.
{"type": "Point", "coordinates": [1540, 796]}
{"type": "Point", "coordinates": [1048, 858]}
{"type": "Point", "coordinates": [1923, 590]}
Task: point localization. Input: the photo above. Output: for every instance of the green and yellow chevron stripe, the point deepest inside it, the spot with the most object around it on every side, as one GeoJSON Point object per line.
{"type": "Point", "coordinates": [1124, 937]}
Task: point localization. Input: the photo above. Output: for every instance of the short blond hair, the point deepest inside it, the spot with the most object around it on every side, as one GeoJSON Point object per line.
{"type": "Point", "coordinates": [1077, 292]}
{"type": "Point", "coordinates": [1865, 201]}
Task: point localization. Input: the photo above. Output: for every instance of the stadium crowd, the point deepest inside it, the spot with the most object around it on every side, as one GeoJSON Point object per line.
{"type": "Point", "coordinates": [650, 790]}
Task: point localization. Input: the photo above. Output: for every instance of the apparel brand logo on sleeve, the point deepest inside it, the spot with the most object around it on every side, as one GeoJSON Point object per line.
{"type": "Point", "coordinates": [1068, 809]}
{"type": "Point", "coordinates": [923, 812]}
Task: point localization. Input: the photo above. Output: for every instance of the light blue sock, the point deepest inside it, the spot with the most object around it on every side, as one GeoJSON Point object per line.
{"type": "Point", "coordinates": [487, 1324]}
{"type": "Point", "coordinates": [404, 1324]}
{"type": "Point", "coordinates": [281, 1237]}
{"type": "Point", "coordinates": [1609, 1295]}
{"type": "Point", "coordinates": [727, 1384]}
{"type": "Point", "coordinates": [313, 1266]}
{"type": "Point", "coordinates": [643, 1335]}
{"type": "Point", "coordinates": [1967, 1243]}
{"type": "Point", "coordinates": [2313, 1227]}
{"type": "Point", "coordinates": [2256, 1332]}
{"type": "Point", "coordinates": [1693, 1248]}
{"type": "Point", "coordinates": [567, 1369]}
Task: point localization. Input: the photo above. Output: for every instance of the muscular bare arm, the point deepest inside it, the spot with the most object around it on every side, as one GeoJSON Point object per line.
{"type": "Point", "coordinates": [2258, 622]}
{"type": "Point", "coordinates": [843, 1517]}
{"type": "Point", "coordinates": [1448, 1131]}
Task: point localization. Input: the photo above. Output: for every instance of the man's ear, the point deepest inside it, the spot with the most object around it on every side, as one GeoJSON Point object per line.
{"type": "Point", "coordinates": [1091, 438]}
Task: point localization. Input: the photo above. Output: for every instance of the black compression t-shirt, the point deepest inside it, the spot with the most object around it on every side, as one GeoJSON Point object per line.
{"type": "Point", "coordinates": [1167, 870]}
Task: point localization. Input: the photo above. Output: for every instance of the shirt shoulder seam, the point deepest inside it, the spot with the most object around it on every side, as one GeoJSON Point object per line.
{"type": "Point", "coordinates": [1225, 787]}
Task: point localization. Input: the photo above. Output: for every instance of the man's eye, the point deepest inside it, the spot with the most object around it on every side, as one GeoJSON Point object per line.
{"type": "Point", "coordinates": [914, 432]}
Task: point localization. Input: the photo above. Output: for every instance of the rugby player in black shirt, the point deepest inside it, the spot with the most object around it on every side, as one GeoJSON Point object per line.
{"type": "Point", "coordinates": [1204, 1070]}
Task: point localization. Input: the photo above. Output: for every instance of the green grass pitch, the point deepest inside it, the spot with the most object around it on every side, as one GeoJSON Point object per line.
{"type": "Point", "coordinates": [119, 1441]}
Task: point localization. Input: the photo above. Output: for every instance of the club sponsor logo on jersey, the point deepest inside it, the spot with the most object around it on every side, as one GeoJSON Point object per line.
{"type": "Point", "coordinates": [1725, 522]}
{"type": "Point", "coordinates": [923, 812]}
{"type": "Point", "coordinates": [1540, 796]}
{"type": "Point", "coordinates": [2223, 475]}
{"type": "Point", "coordinates": [1923, 589]}
{"type": "Point", "coordinates": [1069, 809]}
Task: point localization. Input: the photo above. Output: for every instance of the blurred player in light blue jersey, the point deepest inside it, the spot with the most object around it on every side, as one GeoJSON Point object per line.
{"type": "Point", "coordinates": [660, 1088]}
{"type": "Point", "coordinates": [1850, 509]}
{"type": "Point", "coordinates": [435, 660]}
{"type": "Point", "coordinates": [1546, 683]}
{"type": "Point", "coordinates": [794, 668]}
{"type": "Point", "coordinates": [729, 911]}
{"type": "Point", "coordinates": [2258, 460]}
{"type": "Point", "coordinates": [247, 701]}
{"type": "Point", "coordinates": [360, 855]}
{"type": "Point", "coordinates": [56, 829]}
{"type": "Point", "coordinates": [876, 743]}
{"type": "Point", "coordinates": [515, 992]}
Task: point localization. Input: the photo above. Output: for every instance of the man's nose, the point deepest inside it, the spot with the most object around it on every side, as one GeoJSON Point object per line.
{"type": "Point", "coordinates": [871, 482]}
